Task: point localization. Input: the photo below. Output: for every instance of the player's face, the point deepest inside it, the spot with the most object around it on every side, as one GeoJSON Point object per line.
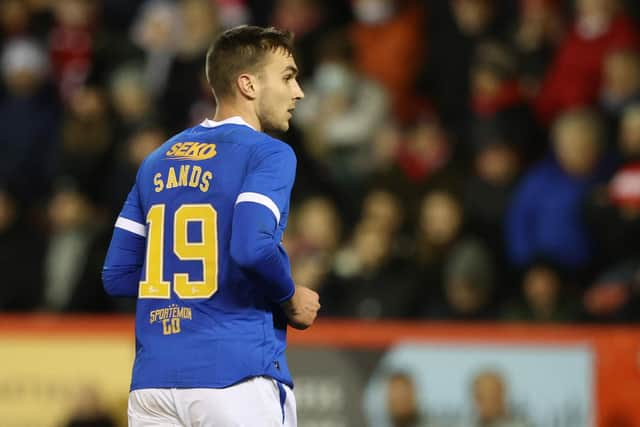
{"type": "Point", "coordinates": [279, 91]}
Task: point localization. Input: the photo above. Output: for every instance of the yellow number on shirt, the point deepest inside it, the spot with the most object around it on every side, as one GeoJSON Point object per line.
{"type": "Point", "coordinates": [153, 286]}
{"type": "Point", "coordinates": [205, 251]}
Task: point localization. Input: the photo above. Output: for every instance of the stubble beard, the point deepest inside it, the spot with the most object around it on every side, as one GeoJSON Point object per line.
{"type": "Point", "coordinates": [270, 123]}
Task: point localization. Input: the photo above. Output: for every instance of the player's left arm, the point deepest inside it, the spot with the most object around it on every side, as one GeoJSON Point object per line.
{"type": "Point", "coordinates": [125, 257]}
{"type": "Point", "coordinates": [256, 232]}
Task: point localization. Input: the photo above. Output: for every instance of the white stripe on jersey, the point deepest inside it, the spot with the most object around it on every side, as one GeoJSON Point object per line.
{"type": "Point", "coordinates": [132, 226]}
{"type": "Point", "coordinates": [262, 200]}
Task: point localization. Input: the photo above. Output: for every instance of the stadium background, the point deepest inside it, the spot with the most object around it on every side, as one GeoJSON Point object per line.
{"type": "Point", "coordinates": [462, 164]}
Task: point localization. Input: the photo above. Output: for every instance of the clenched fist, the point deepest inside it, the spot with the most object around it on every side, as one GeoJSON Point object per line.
{"type": "Point", "coordinates": [302, 308]}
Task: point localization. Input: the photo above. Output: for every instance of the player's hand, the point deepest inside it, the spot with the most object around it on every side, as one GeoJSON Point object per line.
{"type": "Point", "coordinates": [302, 308]}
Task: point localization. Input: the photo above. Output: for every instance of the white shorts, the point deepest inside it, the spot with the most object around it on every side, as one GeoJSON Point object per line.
{"type": "Point", "coordinates": [256, 402]}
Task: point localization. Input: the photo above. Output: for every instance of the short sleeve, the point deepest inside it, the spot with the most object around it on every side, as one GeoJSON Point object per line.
{"type": "Point", "coordinates": [270, 178]}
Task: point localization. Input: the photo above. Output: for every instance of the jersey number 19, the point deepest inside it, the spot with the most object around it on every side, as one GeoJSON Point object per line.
{"type": "Point", "coordinates": [205, 251]}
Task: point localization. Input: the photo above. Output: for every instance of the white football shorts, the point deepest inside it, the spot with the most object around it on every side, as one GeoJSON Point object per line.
{"type": "Point", "coordinates": [256, 402]}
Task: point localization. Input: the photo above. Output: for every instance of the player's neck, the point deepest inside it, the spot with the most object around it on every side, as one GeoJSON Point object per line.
{"type": "Point", "coordinates": [226, 111]}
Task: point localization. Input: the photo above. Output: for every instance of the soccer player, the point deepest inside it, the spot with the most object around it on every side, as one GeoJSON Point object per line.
{"type": "Point", "coordinates": [198, 242]}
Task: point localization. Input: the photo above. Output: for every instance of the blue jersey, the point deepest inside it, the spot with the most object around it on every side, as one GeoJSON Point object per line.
{"type": "Point", "coordinates": [198, 242]}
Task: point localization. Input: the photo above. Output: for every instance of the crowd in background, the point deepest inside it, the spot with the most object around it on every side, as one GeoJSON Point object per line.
{"type": "Point", "coordinates": [457, 159]}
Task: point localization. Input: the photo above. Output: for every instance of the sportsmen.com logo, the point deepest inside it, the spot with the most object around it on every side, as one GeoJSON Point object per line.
{"type": "Point", "coordinates": [191, 151]}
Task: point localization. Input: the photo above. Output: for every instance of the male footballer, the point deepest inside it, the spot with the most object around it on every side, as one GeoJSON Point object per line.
{"type": "Point", "coordinates": [198, 243]}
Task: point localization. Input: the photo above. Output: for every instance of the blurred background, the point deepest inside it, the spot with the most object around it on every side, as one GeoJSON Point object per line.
{"type": "Point", "coordinates": [460, 163]}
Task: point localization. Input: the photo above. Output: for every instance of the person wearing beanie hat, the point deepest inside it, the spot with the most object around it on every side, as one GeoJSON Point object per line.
{"type": "Point", "coordinates": [469, 282]}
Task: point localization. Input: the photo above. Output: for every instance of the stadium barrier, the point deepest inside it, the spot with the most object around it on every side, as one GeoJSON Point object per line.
{"type": "Point", "coordinates": [558, 376]}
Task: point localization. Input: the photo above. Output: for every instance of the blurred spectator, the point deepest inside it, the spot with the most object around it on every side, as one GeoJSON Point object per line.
{"type": "Point", "coordinates": [88, 410]}
{"type": "Point", "coordinates": [72, 44]}
{"type": "Point", "coordinates": [496, 94]}
{"type": "Point", "coordinates": [308, 20]}
{"type": "Point", "coordinates": [156, 30]}
{"type": "Point", "coordinates": [440, 224]}
{"type": "Point", "coordinates": [414, 160]}
{"type": "Point", "coordinates": [491, 402]}
{"type": "Point", "coordinates": [382, 209]}
{"type": "Point", "coordinates": [545, 217]}
{"type": "Point", "coordinates": [204, 105]}
{"type": "Point", "coordinates": [454, 29]}
{"type": "Point", "coordinates": [132, 102]}
{"type": "Point", "coordinates": [629, 134]}
{"type": "Point", "coordinates": [233, 12]}
{"type": "Point", "coordinates": [424, 153]}
{"type": "Point", "coordinates": [127, 159]}
{"type": "Point", "coordinates": [573, 79]}
{"type": "Point", "coordinates": [312, 239]}
{"type": "Point", "coordinates": [199, 23]}
{"type": "Point", "coordinates": [496, 167]}
{"type": "Point", "coordinates": [615, 294]}
{"type": "Point", "coordinates": [613, 209]}
{"type": "Point", "coordinates": [545, 297]}
{"type": "Point", "coordinates": [340, 114]}
{"type": "Point", "coordinates": [538, 31]}
{"type": "Point", "coordinates": [21, 251]}
{"type": "Point", "coordinates": [494, 86]}
{"type": "Point", "coordinates": [367, 280]}
{"type": "Point", "coordinates": [315, 224]}
{"type": "Point", "coordinates": [488, 190]}
{"type": "Point", "coordinates": [620, 85]}
{"type": "Point", "coordinates": [29, 123]}
{"type": "Point", "coordinates": [389, 32]}
{"type": "Point", "coordinates": [385, 145]}
{"type": "Point", "coordinates": [75, 229]}
{"type": "Point", "coordinates": [469, 282]}
{"type": "Point", "coordinates": [86, 139]}
{"type": "Point", "coordinates": [338, 12]}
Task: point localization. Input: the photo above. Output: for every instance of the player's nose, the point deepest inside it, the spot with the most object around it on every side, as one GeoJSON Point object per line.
{"type": "Point", "coordinates": [297, 91]}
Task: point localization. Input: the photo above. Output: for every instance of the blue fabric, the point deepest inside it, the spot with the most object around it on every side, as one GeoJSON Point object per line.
{"type": "Point", "coordinates": [255, 247]}
{"type": "Point", "coordinates": [283, 399]}
{"type": "Point", "coordinates": [125, 257]}
{"type": "Point", "coordinates": [123, 264]}
{"type": "Point", "coordinates": [240, 331]}
{"type": "Point", "coordinates": [545, 218]}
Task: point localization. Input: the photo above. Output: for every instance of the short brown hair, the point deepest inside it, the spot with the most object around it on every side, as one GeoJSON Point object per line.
{"type": "Point", "coordinates": [242, 49]}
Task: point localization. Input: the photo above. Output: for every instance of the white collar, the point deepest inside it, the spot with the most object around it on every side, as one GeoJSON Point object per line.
{"type": "Point", "coordinates": [235, 120]}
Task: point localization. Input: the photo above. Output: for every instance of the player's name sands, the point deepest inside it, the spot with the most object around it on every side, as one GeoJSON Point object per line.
{"type": "Point", "coordinates": [170, 318]}
{"type": "Point", "coordinates": [186, 176]}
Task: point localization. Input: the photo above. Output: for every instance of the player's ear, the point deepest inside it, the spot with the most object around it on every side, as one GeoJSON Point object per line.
{"type": "Point", "coordinates": [247, 85]}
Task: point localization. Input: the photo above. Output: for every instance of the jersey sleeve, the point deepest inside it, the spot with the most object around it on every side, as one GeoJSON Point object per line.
{"type": "Point", "coordinates": [270, 179]}
{"type": "Point", "coordinates": [125, 257]}
{"type": "Point", "coordinates": [256, 219]}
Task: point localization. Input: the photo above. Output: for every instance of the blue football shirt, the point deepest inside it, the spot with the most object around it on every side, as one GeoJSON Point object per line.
{"type": "Point", "coordinates": [203, 319]}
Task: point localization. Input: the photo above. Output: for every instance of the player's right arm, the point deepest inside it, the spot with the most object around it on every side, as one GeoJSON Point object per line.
{"type": "Point", "coordinates": [125, 257]}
